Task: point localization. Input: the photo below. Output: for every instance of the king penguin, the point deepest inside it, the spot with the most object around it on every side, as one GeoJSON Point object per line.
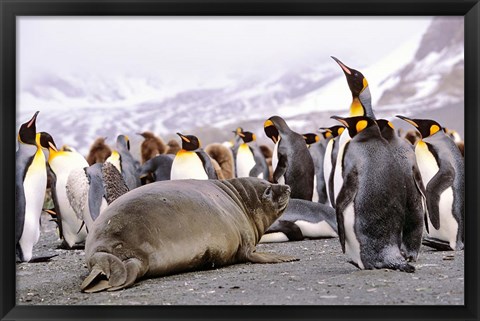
{"type": "Point", "coordinates": [291, 161]}
{"type": "Point", "coordinates": [370, 207]}
{"type": "Point", "coordinates": [125, 163]}
{"type": "Point", "coordinates": [332, 136]}
{"type": "Point", "coordinates": [443, 173]}
{"type": "Point", "coordinates": [416, 209]}
{"type": "Point", "coordinates": [249, 159]}
{"type": "Point", "coordinates": [361, 106]}
{"type": "Point", "coordinates": [30, 187]}
{"type": "Point", "coordinates": [191, 161]}
{"type": "Point", "coordinates": [316, 146]}
{"type": "Point", "coordinates": [71, 229]}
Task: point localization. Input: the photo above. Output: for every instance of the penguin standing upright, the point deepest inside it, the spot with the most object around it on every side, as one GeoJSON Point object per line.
{"type": "Point", "coordinates": [317, 147]}
{"type": "Point", "coordinates": [443, 173]}
{"type": "Point", "coordinates": [371, 207]}
{"type": "Point", "coordinates": [361, 106]}
{"type": "Point", "coordinates": [71, 228]}
{"type": "Point", "coordinates": [416, 209]}
{"type": "Point", "coordinates": [249, 159]}
{"type": "Point", "coordinates": [126, 164]}
{"type": "Point", "coordinates": [30, 187]}
{"type": "Point", "coordinates": [151, 146]}
{"type": "Point", "coordinates": [291, 160]}
{"type": "Point", "coordinates": [332, 136]}
{"type": "Point", "coordinates": [99, 151]}
{"type": "Point", "coordinates": [191, 161]}
{"type": "Point", "coordinates": [223, 155]}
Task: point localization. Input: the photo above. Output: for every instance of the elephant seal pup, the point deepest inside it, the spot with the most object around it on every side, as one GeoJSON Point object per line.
{"type": "Point", "coordinates": [170, 227]}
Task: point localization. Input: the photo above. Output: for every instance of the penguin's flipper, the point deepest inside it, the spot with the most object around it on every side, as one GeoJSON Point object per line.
{"type": "Point", "coordinates": [41, 259]}
{"type": "Point", "coordinates": [96, 191]}
{"type": "Point", "coordinates": [281, 168]}
{"type": "Point", "coordinates": [290, 229]}
{"type": "Point", "coordinates": [417, 178]}
{"type": "Point", "coordinates": [345, 197]}
{"type": "Point", "coordinates": [435, 187]}
{"type": "Point", "coordinates": [207, 164]}
{"type": "Point", "coordinates": [77, 190]}
{"type": "Point", "coordinates": [56, 209]}
{"type": "Point", "coordinates": [114, 183]}
{"type": "Point", "coordinates": [20, 203]}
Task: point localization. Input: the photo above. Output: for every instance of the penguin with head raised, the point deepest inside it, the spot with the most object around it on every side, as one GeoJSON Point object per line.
{"type": "Point", "coordinates": [316, 146]}
{"type": "Point", "coordinates": [361, 105]}
{"type": "Point", "coordinates": [291, 161]}
{"type": "Point", "coordinates": [416, 209]}
{"type": "Point", "coordinates": [71, 228]}
{"type": "Point", "coordinates": [30, 187]}
{"type": "Point", "coordinates": [125, 163]}
{"type": "Point", "coordinates": [370, 207]}
{"type": "Point", "coordinates": [249, 159]}
{"type": "Point", "coordinates": [191, 161]}
{"type": "Point", "coordinates": [443, 173]}
{"type": "Point", "coordinates": [331, 136]}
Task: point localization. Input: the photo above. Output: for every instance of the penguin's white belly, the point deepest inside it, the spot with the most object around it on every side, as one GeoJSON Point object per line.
{"type": "Point", "coordinates": [448, 225]}
{"type": "Point", "coordinates": [187, 165]}
{"type": "Point", "coordinates": [281, 180]}
{"type": "Point", "coordinates": [352, 246]}
{"type": "Point", "coordinates": [276, 237]}
{"type": "Point", "coordinates": [338, 175]}
{"type": "Point", "coordinates": [34, 185]}
{"type": "Point", "coordinates": [245, 161]}
{"type": "Point", "coordinates": [315, 192]}
{"type": "Point", "coordinates": [314, 230]}
{"type": "Point", "coordinates": [327, 166]}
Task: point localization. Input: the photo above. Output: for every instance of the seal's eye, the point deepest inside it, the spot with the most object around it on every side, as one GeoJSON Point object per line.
{"type": "Point", "coordinates": [268, 192]}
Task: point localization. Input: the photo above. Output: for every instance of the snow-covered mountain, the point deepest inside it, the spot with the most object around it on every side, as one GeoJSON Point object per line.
{"type": "Point", "coordinates": [424, 73]}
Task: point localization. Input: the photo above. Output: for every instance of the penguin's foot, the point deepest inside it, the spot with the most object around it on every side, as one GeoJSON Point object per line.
{"type": "Point", "coordinates": [41, 259]}
{"type": "Point", "coordinates": [77, 246]}
{"type": "Point", "coordinates": [436, 244]}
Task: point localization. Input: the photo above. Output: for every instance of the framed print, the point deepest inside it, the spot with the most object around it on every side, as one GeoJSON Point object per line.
{"type": "Point", "coordinates": [129, 72]}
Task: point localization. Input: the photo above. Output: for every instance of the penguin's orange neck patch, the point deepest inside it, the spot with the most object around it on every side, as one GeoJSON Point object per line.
{"type": "Point", "coordinates": [356, 108]}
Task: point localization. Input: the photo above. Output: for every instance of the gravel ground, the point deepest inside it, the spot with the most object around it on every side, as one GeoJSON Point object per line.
{"type": "Point", "coordinates": [321, 277]}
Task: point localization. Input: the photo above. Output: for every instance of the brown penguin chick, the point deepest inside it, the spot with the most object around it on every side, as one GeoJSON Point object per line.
{"type": "Point", "coordinates": [217, 168]}
{"type": "Point", "coordinates": [224, 157]}
{"type": "Point", "coordinates": [173, 147]}
{"type": "Point", "coordinates": [266, 151]}
{"type": "Point", "coordinates": [99, 151]}
{"type": "Point", "coordinates": [412, 136]}
{"type": "Point", "coordinates": [151, 146]}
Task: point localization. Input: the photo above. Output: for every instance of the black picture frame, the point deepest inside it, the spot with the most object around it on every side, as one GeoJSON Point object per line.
{"type": "Point", "coordinates": [10, 9]}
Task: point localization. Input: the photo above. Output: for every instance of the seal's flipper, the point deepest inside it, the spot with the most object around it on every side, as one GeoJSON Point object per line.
{"type": "Point", "coordinates": [96, 281]}
{"type": "Point", "coordinates": [262, 257]}
{"type": "Point", "coordinates": [133, 267]}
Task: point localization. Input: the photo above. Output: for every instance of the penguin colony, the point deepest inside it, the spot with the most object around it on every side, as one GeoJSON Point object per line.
{"type": "Point", "coordinates": [381, 192]}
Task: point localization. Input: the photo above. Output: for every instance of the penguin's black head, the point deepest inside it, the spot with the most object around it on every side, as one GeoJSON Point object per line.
{"type": "Point", "coordinates": [311, 138]}
{"type": "Point", "coordinates": [355, 124]}
{"type": "Point", "coordinates": [426, 127]}
{"type": "Point", "coordinates": [28, 131]}
{"type": "Point", "coordinates": [247, 136]}
{"type": "Point", "coordinates": [386, 128]}
{"type": "Point", "coordinates": [355, 79]}
{"type": "Point", "coordinates": [271, 131]}
{"type": "Point", "coordinates": [237, 131]}
{"type": "Point", "coordinates": [332, 131]}
{"type": "Point", "coordinates": [46, 140]}
{"type": "Point", "coordinates": [189, 142]}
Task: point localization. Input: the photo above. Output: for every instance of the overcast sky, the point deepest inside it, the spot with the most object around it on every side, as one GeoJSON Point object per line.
{"type": "Point", "coordinates": [179, 48]}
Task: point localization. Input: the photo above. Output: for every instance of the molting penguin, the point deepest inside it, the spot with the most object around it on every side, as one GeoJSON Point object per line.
{"type": "Point", "coordinates": [249, 159]}
{"type": "Point", "coordinates": [443, 173]}
{"type": "Point", "coordinates": [71, 228]}
{"type": "Point", "coordinates": [302, 219]}
{"type": "Point", "coordinates": [332, 137]}
{"type": "Point", "coordinates": [361, 106]}
{"type": "Point", "coordinates": [291, 162]}
{"type": "Point", "coordinates": [30, 187]}
{"type": "Point", "coordinates": [316, 147]}
{"type": "Point", "coordinates": [191, 161]}
{"type": "Point", "coordinates": [416, 209]}
{"type": "Point", "coordinates": [370, 207]}
{"type": "Point", "coordinates": [126, 164]}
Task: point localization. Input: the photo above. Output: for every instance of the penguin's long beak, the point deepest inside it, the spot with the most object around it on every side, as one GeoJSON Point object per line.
{"type": "Point", "coordinates": [326, 129]}
{"type": "Point", "coordinates": [241, 135]}
{"type": "Point", "coordinates": [345, 69]}
{"type": "Point", "coordinates": [408, 120]}
{"type": "Point", "coordinates": [183, 138]}
{"type": "Point", "coordinates": [340, 119]}
{"type": "Point", "coordinates": [34, 118]}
